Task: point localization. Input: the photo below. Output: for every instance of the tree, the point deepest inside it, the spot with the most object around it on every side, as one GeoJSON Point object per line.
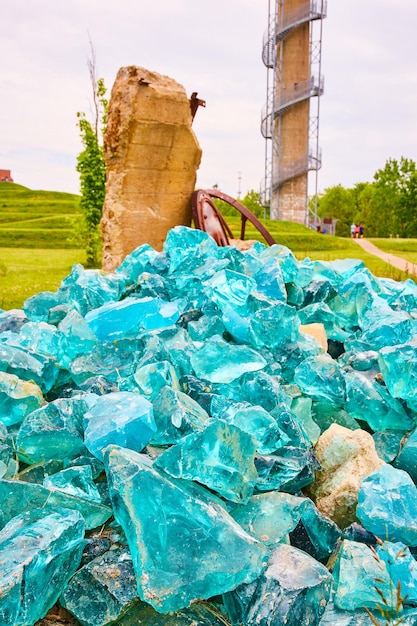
{"type": "Point", "coordinates": [338, 203]}
{"type": "Point", "coordinates": [91, 167]}
{"type": "Point", "coordinates": [395, 199]}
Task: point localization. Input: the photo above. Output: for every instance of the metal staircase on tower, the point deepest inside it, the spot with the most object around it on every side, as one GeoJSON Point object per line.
{"type": "Point", "coordinates": [280, 98]}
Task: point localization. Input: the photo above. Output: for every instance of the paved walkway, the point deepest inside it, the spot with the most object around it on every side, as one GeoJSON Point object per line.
{"type": "Point", "coordinates": [392, 259]}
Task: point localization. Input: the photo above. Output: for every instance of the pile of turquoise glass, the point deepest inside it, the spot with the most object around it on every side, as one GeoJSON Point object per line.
{"type": "Point", "coordinates": [157, 433]}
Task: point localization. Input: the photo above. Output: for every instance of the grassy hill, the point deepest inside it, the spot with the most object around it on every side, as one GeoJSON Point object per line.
{"type": "Point", "coordinates": [37, 219]}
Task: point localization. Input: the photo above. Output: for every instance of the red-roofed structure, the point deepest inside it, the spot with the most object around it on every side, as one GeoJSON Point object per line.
{"type": "Point", "coordinates": [6, 176]}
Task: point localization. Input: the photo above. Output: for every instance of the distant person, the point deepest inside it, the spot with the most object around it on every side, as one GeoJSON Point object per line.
{"type": "Point", "coordinates": [352, 230]}
{"type": "Point", "coordinates": [357, 230]}
{"type": "Point", "coordinates": [361, 229]}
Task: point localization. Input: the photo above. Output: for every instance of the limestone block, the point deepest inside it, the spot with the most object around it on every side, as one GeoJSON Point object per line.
{"type": "Point", "coordinates": [316, 330]}
{"type": "Point", "coordinates": [346, 458]}
{"type": "Point", "coordinates": [152, 157]}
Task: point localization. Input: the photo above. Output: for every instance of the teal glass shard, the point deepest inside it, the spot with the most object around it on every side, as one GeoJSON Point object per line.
{"type": "Point", "coordinates": [151, 377]}
{"type": "Point", "coordinates": [221, 457]}
{"type": "Point", "coordinates": [97, 466]}
{"type": "Point", "coordinates": [76, 338]}
{"type": "Point", "coordinates": [187, 248]}
{"type": "Point", "coordinates": [400, 358]}
{"type": "Point", "coordinates": [333, 616]}
{"type": "Point", "coordinates": [293, 590]}
{"type": "Point", "coordinates": [274, 326]}
{"type": "Point", "coordinates": [57, 313]}
{"type": "Point", "coordinates": [18, 398]}
{"type": "Point", "coordinates": [16, 496]}
{"type": "Point", "coordinates": [9, 466]}
{"type": "Point", "coordinates": [356, 574]}
{"type": "Point", "coordinates": [184, 544]}
{"type": "Point", "coordinates": [387, 505]}
{"type": "Point", "coordinates": [113, 361]}
{"type": "Point", "coordinates": [109, 584]}
{"type": "Point", "coordinates": [85, 290]}
{"type": "Point", "coordinates": [76, 481]}
{"type": "Point", "coordinates": [255, 421]}
{"type": "Point", "coordinates": [295, 295]}
{"type": "Point", "coordinates": [270, 281]}
{"type": "Point", "coordinates": [320, 290]}
{"type": "Point", "coordinates": [138, 261]}
{"type": "Point", "coordinates": [316, 534]}
{"type": "Point", "coordinates": [290, 355]}
{"type": "Point", "coordinates": [301, 407]}
{"type": "Point", "coordinates": [176, 415]}
{"type": "Point", "coordinates": [270, 516]}
{"type": "Point", "coordinates": [289, 469]}
{"type": "Point", "coordinates": [41, 338]}
{"type": "Point", "coordinates": [132, 315]}
{"type": "Point", "coordinates": [370, 402]}
{"type": "Point", "coordinates": [54, 431]}
{"type": "Point", "coordinates": [39, 471]}
{"type": "Point", "coordinates": [387, 446]}
{"type": "Point", "coordinates": [199, 614]}
{"type": "Point", "coordinates": [322, 314]}
{"type": "Point", "coordinates": [28, 366]}
{"type": "Point", "coordinates": [206, 326]}
{"type": "Point", "coordinates": [221, 362]}
{"type": "Point", "coordinates": [321, 378]}
{"type": "Point", "coordinates": [230, 288]}
{"type": "Point", "coordinates": [407, 457]}
{"type": "Point", "coordinates": [37, 307]}
{"type": "Point", "coordinates": [401, 567]}
{"type": "Point", "coordinates": [325, 414]}
{"type": "Point", "coordinates": [123, 418]}
{"type": "Point", "coordinates": [257, 388]}
{"type": "Point", "coordinates": [361, 361]}
{"type": "Point", "coordinates": [39, 552]}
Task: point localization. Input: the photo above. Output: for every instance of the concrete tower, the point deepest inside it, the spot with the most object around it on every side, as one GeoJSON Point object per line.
{"type": "Point", "coordinates": [290, 119]}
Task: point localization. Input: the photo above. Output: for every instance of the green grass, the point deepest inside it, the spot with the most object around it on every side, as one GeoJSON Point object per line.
{"type": "Point", "coordinates": [25, 272]}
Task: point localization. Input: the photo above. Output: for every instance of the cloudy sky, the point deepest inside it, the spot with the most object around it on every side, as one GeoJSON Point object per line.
{"type": "Point", "coordinates": [368, 113]}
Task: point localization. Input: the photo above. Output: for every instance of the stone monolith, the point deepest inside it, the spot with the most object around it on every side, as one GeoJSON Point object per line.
{"type": "Point", "coordinates": [152, 156]}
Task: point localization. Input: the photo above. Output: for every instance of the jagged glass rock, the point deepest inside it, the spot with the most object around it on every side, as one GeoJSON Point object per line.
{"type": "Point", "coordinates": [76, 481]}
{"type": "Point", "coordinates": [8, 464]}
{"type": "Point", "coordinates": [274, 326]}
{"type": "Point", "coordinates": [270, 516]}
{"type": "Point", "coordinates": [229, 288]}
{"type": "Point", "coordinates": [176, 415]}
{"type": "Point", "coordinates": [85, 290]}
{"type": "Point", "coordinates": [321, 378]}
{"type": "Point", "coordinates": [401, 358]}
{"type": "Point", "coordinates": [183, 542]}
{"type": "Point", "coordinates": [290, 469]}
{"type": "Point", "coordinates": [388, 445]}
{"type": "Point", "coordinates": [206, 326]}
{"type": "Point", "coordinates": [321, 313]}
{"type": "Point", "coordinates": [151, 377]}
{"type": "Point", "coordinates": [325, 414]}
{"type": "Point", "coordinates": [407, 457]}
{"type": "Point", "coordinates": [333, 616]}
{"type": "Point", "coordinates": [16, 496]}
{"type": "Point", "coordinates": [301, 407]}
{"type": "Point", "coordinates": [54, 431]}
{"type": "Point", "coordinates": [357, 576]}
{"type": "Point", "coordinates": [293, 590]}
{"type": "Point", "coordinates": [361, 361]}
{"type": "Point", "coordinates": [76, 337]}
{"type": "Point", "coordinates": [12, 320]}
{"type": "Point", "coordinates": [387, 505]}
{"type": "Point", "coordinates": [28, 366]}
{"type": "Point", "coordinates": [187, 248]}
{"type": "Point", "coordinates": [270, 281]}
{"type": "Point", "coordinates": [37, 307]}
{"type": "Point", "coordinates": [39, 552]}
{"type": "Point", "coordinates": [131, 315]}
{"type": "Point", "coordinates": [356, 532]}
{"type": "Point", "coordinates": [122, 418]}
{"type": "Point", "coordinates": [137, 262]}
{"type": "Point", "coordinates": [221, 457]}
{"type": "Point", "coordinates": [290, 355]}
{"type": "Point", "coordinates": [109, 584]}
{"type": "Point", "coordinates": [315, 534]}
{"type": "Point", "coordinates": [41, 338]}
{"type": "Point", "coordinates": [369, 401]}
{"type": "Point", "coordinates": [402, 568]}
{"type": "Point", "coordinates": [220, 362]}
{"type": "Point", "coordinates": [18, 398]}
{"type": "Point", "coordinates": [39, 471]}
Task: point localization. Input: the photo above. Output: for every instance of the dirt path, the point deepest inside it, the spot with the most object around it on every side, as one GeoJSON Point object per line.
{"type": "Point", "coordinates": [392, 259]}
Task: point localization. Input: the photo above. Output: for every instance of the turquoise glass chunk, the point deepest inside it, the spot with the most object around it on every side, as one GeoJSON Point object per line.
{"type": "Point", "coordinates": [401, 567]}
{"type": "Point", "coordinates": [316, 534]}
{"type": "Point", "coordinates": [28, 366]}
{"type": "Point", "coordinates": [76, 337]}
{"type": "Point", "coordinates": [274, 326]}
{"type": "Point", "coordinates": [37, 307]}
{"type": "Point", "coordinates": [357, 573]}
{"type": "Point", "coordinates": [369, 401]}
{"type": "Point", "coordinates": [152, 377]}
{"type": "Point", "coordinates": [132, 315]}
{"type": "Point", "coordinates": [221, 457]}
{"type": "Point", "coordinates": [18, 398]}
{"type": "Point", "coordinates": [270, 516]}
{"type": "Point", "coordinates": [54, 431]}
{"type": "Point", "coordinates": [387, 446]}
{"type": "Point", "coordinates": [401, 358]}
{"type": "Point", "coordinates": [387, 505]}
{"type": "Point", "coordinates": [321, 378]}
{"type": "Point", "coordinates": [289, 469]}
{"type": "Point", "coordinates": [137, 262]}
{"type": "Point", "coordinates": [270, 281]}
{"type": "Point", "coordinates": [103, 590]}
{"type": "Point", "coordinates": [322, 314]}
{"type": "Point", "coordinates": [176, 415]}
{"type": "Point", "coordinates": [76, 481]}
{"type": "Point", "coordinates": [41, 338]}
{"type": "Point", "coordinates": [184, 544]}
{"type": "Point", "coordinates": [407, 457]}
{"type": "Point", "coordinates": [220, 362]}
{"type": "Point", "coordinates": [230, 288]}
{"type": "Point", "coordinates": [123, 418]}
{"type": "Point", "coordinates": [187, 248]}
{"type": "Point", "coordinates": [16, 496]}
{"type": "Point", "coordinates": [302, 408]}
{"type": "Point", "coordinates": [85, 290]}
{"type": "Point", "coordinates": [39, 552]}
{"type": "Point", "coordinates": [293, 590]}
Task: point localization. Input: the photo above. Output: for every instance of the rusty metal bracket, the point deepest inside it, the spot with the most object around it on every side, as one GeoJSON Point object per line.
{"type": "Point", "coordinates": [207, 217]}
